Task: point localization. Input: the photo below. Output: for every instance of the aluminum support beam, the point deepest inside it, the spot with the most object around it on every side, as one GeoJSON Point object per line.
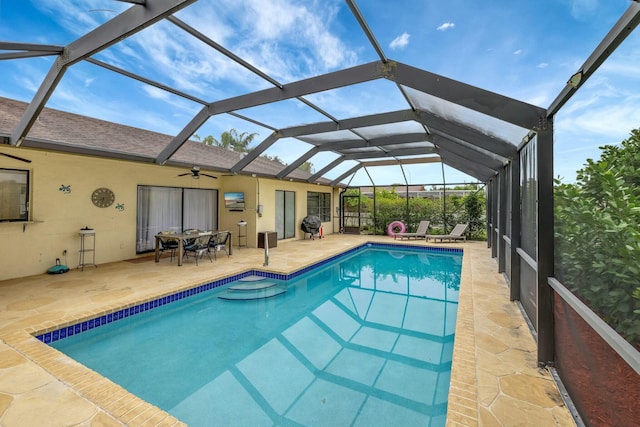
{"type": "Point", "coordinates": [358, 74]}
{"type": "Point", "coordinates": [367, 31]}
{"type": "Point", "coordinates": [299, 161]}
{"type": "Point", "coordinates": [52, 49]}
{"type": "Point", "coordinates": [372, 143]}
{"type": "Point", "coordinates": [253, 154]}
{"type": "Point", "coordinates": [238, 60]}
{"type": "Point", "coordinates": [326, 169]}
{"type": "Point", "coordinates": [235, 58]}
{"type": "Point", "coordinates": [29, 54]}
{"type": "Point", "coordinates": [492, 104]}
{"type": "Point", "coordinates": [477, 151]}
{"type": "Point", "coordinates": [516, 228]}
{"type": "Point", "coordinates": [346, 174]}
{"type": "Point", "coordinates": [545, 249]}
{"type": "Point", "coordinates": [397, 162]}
{"type": "Point", "coordinates": [502, 219]}
{"type": "Point", "coordinates": [391, 153]}
{"type": "Point", "coordinates": [146, 81]}
{"type": "Point", "coordinates": [348, 124]}
{"type": "Point", "coordinates": [460, 165]}
{"type": "Point", "coordinates": [620, 31]}
{"type": "Point", "coordinates": [494, 145]}
{"type": "Point", "coordinates": [476, 170]}
{"type": "Point", "coordinates": [133, 20]}
{"type": "Point", "coordinates": [184, 135]}
{"type": "Point", "coordinates": [465, 151]}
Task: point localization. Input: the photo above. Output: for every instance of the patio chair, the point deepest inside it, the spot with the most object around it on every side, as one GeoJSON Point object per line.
{"type": "Point", "coordinates": [199, 247]}
{"type": "Point", "coordinates": [456, 234]}
{"type": "Point", "coordinates": [168, 244]}
{"type": "Point", "coordinates": [421, 232]}
{"type": "Point", "coordinates": [219, 242]}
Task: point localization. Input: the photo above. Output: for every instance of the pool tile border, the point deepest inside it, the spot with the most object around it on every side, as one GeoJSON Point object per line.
{"type": "Point", "coordinates": [62, 332]}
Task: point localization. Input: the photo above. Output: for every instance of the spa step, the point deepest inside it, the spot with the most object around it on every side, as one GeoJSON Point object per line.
{"type": "Point", "coordinates": [253, 295]}
{"type": "Point", "coordinates": [251, 286]}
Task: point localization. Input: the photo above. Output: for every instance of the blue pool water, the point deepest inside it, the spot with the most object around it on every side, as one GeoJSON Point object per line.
{"type": "Point", "coordinates": [365, 340]}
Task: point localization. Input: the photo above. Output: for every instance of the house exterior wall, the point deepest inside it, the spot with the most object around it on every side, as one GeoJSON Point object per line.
{"type": "Point", "coordinates": [56, 216]}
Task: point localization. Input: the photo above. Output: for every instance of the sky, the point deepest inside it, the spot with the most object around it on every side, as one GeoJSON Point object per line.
{"type": "Point", "coordinates": [526, 50]}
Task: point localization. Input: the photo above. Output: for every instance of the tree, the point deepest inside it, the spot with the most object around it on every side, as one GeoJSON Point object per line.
{"type": "Point", "coordinates": [307, 167]}
{"type": "Point", "coordinates": [274, 159]}
{"type": "Point", "coordinates": [231, 139]}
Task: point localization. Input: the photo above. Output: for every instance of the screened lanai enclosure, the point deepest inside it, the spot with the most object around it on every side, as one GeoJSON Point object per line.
{"type": "Point", "coordinates": [569, 248]}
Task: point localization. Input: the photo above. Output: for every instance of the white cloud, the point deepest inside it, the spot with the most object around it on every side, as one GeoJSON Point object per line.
{"type": "Point", "coordinates": [400, 42]}
{"type": "Point", "coordinates": [446, 26]}
{"type": "Point", "coordinates": [581, 9]}
{"type": "Point", "coordinates": [517, 52]}
{"type": "Point", "coordinates": [542, 65]}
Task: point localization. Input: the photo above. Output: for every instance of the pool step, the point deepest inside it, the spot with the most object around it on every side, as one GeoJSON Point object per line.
{"type": "Point", "coordinates": [252, 286]}
{"type": "Point", "coordinates": [252, 278]}
{"type": "Point", "coordinates": [246, 295]}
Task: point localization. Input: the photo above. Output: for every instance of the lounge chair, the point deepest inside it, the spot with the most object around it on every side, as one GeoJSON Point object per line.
{"type": "Point", "coordinates": [456, 234]}
{"type": "Point", "coordinates": [421, 232]}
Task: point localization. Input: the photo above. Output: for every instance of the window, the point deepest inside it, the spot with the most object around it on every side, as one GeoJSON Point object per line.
{"type": "Point", "coordinates": [14, 195]}
{"type": "Point", "coordinates": [319, 204]}
{"type": "Point", "coordinates": [175, 209]}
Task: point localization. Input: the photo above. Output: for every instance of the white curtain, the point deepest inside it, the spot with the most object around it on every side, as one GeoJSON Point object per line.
{"type": "Point", "coordinates": [199, 209]}
{"type": "Point", "coordinates": [173, 209]}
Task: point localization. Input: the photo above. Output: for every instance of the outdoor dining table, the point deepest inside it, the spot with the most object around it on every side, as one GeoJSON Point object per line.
{"type": "Point", "coordinates": [181, 237]}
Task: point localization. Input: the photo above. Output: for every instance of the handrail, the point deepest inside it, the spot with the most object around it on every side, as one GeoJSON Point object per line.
{"type": "Point", "coordinates": [266, 248]}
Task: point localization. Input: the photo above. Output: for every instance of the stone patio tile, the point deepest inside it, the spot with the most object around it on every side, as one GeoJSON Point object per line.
{"type": "Point", "coordinates": [514, 412]}
{"type": "Point", "coordinates": [534, 390]}
{"type": "Point", "coordinates": [50, 405]}
{"type": "Point", "coordinates": [490, 331]}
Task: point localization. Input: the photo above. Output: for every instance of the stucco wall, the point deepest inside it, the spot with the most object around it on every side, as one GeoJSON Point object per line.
{"type": "Point", "coordinates": [57, 216]}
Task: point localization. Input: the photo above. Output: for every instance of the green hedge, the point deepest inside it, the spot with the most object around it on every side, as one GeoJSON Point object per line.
{"type": "Point", "coordinates": [597, 233]}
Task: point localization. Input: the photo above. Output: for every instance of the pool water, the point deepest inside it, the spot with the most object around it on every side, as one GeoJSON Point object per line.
{"type": "Point", "coordinates": [364, 341]}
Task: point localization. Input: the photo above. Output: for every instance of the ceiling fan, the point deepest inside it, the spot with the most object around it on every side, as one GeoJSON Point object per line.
{"type": "Point", "coordinates": [16, 157]}
{"type": "Point", "coordinates": [195, 173]}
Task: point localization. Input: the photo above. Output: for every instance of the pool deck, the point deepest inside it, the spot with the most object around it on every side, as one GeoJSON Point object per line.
{"type": "Point", "coordinates": [495, 380]}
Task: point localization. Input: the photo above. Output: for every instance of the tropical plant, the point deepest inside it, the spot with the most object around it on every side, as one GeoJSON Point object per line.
{"type": "Point", "coordinates": [597, 235]}
{"type": "Point", "coordinates": [232, 139]}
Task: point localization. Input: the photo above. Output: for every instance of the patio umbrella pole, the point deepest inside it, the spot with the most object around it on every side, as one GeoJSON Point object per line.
{"type": "Point", "coordinates": [266, 249]}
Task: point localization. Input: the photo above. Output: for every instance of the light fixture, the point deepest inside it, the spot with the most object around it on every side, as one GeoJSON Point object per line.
{"type": "Point", "coordinates": [576, 79]}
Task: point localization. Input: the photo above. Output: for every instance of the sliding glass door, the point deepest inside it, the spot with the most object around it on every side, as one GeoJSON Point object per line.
{"type": "Point", "coordinates": [285, 214]}
{"type": "Point", "coordinates": [173, 209]}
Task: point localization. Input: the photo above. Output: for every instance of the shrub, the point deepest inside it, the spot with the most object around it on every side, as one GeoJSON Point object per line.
{"type": "Point", "coordinates": [597, 235]}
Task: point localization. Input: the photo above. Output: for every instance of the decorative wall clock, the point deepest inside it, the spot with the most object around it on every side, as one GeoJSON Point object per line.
{"type": "Point", "coordinates": [103, 197]}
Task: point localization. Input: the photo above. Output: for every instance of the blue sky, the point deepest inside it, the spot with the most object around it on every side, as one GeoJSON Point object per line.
{"type": "Point", "coordinates": [522, 49]}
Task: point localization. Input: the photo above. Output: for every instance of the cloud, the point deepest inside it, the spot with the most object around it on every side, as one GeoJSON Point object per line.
{"type": "Point", "coordinates": [517, 52]}
{"type": "Point", "coordinates": [542, 65]}
{"type": "Point", "coordinates": [446, 26]}
{"type": "Point", "coordinates": [582, 9]}
{"type": "Point", "coordinates": [400, 42]}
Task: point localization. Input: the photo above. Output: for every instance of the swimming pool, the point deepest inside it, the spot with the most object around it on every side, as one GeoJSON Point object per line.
{"type": "Point", "coordinates": [363, 340]}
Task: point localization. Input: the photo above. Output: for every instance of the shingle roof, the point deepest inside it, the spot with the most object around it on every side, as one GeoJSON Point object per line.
{"type": "Point", "coordinates": [69, 132]}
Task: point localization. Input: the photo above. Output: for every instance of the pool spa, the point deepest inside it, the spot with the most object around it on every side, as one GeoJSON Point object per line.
{"type": "Point", "coordinates": [364, 338]}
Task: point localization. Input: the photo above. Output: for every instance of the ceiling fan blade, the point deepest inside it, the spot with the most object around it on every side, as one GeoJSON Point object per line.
{"type": "Point", "coordinates": [185, 174]}
{"type": "Point", "coordinates": [210, 176]}
{"type": "Point", "coordinates": [16, 157]}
